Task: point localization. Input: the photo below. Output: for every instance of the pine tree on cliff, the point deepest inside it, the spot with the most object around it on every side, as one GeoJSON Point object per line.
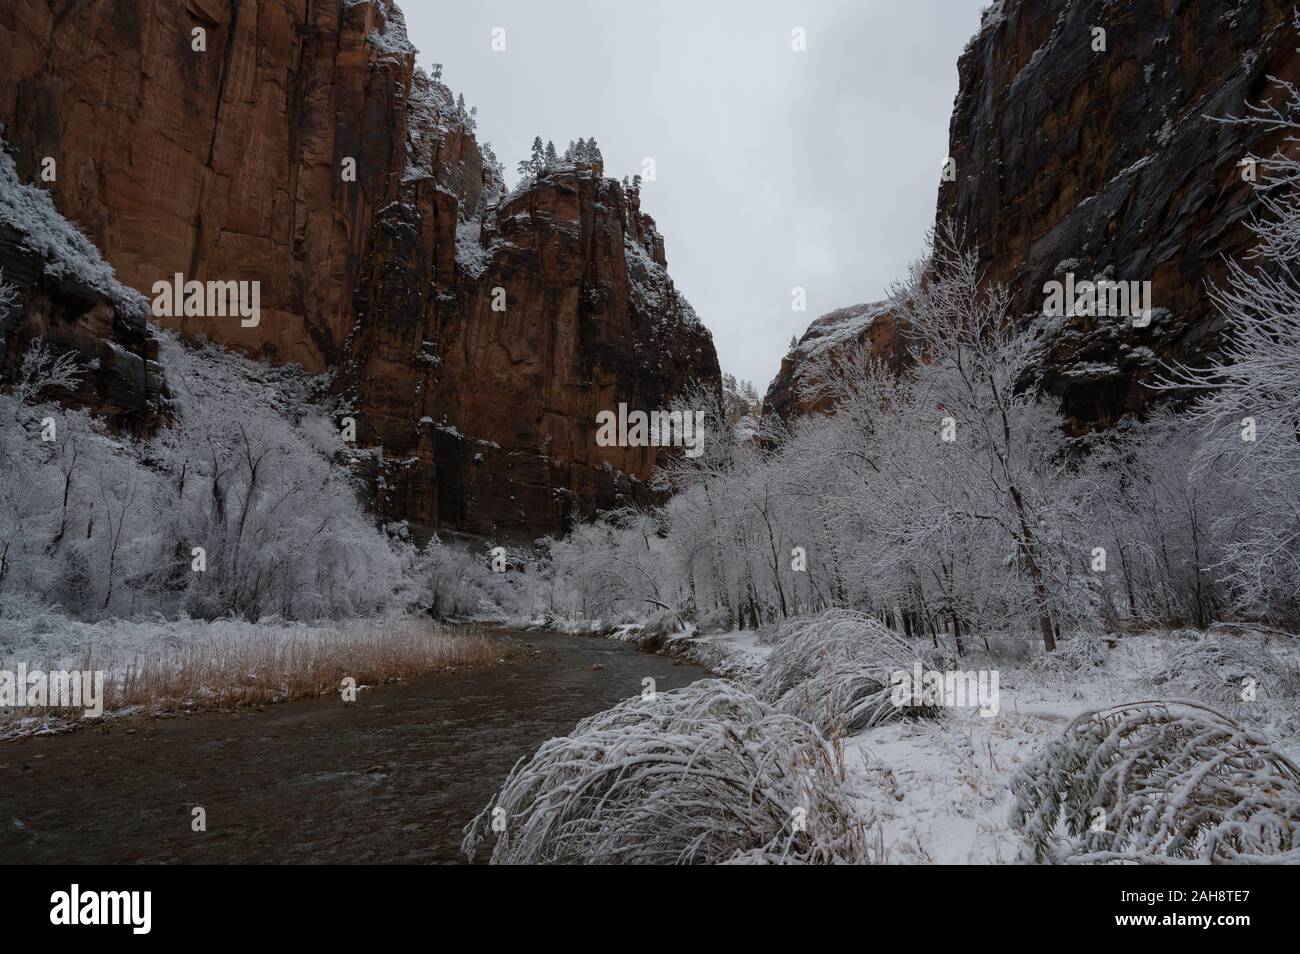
{"type": "Point", "coordinates": [531, 167]}
{"type": "Point", "coordinates": [552, 160]}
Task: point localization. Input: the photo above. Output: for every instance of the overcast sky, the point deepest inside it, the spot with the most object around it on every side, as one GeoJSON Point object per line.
{"type": "Point", "coordinates": [775, 168]}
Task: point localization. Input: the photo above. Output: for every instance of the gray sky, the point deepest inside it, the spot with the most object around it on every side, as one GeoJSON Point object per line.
{"type": "Point", "coordinates": [775, 169]}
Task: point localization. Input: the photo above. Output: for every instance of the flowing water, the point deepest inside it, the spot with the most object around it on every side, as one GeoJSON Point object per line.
{"type": "Point", "coordinates": [394, 777]}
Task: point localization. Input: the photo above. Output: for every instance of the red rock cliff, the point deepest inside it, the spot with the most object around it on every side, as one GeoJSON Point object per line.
{"type": "Point", "coordinates": [228, 164]}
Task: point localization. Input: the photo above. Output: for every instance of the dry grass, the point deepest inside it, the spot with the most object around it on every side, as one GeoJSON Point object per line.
{"type": "Point", "coordinates": [264, 666]}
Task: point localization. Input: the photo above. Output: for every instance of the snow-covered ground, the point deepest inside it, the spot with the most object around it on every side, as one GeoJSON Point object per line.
{"type": "Point", "coordinates": [938, 791]}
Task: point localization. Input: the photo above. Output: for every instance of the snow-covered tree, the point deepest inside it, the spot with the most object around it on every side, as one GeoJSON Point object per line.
{"type": "Point", "coordinates": [1249, 397]}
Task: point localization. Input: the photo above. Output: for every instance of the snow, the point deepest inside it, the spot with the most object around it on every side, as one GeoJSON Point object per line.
{"type": "Point", "coordinates": [993, 15]}
{"type": "Point", "coordinates": [1129, 170]}
{"type": "Point", "coordinates": [431, 114]}
{"type": "Point", "coordinates": [1091, 370]}
{"type": "Point", "coordinates": [390, 38]}
{"type": "Point", "coordinates": [651, 289]}
{"type": "Point", "coordinates": [66, 251]}
{"type": "Point", "coordinates": [835, 328]}
{"type": "Point", "coordinates": [938, 791]}
{"type": "Point", "coordinates": [742, 643]}
{"type": "Point", "coordinates": [470, 253]}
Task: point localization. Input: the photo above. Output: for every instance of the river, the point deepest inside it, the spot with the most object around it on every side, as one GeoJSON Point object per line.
{"type": "Point", "coordinates": [393, 778]}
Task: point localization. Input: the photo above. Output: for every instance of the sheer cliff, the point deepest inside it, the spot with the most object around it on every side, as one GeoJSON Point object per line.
{"type": "Point", "coordinates": [473, 334]}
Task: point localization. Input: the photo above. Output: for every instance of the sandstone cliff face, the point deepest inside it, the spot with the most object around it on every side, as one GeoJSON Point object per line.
{"type": "Point", "coordinates": [833, 338]}
{"type": "Point", "coordinates": [221, 164]}
{"type": "Point", "coordinates": [229, 164]}
{"type": "Point", "coordinates": [497, 429]}
{"type": "Point", "coordinates": [1109, 164]}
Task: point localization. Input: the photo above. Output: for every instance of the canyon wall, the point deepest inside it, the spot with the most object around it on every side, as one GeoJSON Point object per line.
{"type": "Point", "coordinates": [473, 335]}
{"type": "Point", "coordinates": [59, 297]}
{"type": "Point", "coordinates": [1110, 164]}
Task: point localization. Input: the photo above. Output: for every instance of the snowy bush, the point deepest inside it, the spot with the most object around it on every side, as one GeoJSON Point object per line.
{"type": "Point", "coordinates": [1078, 654]}
{"type": "Point", "coordinates": [1159, 782]}
{"type": "Point", "coordinates": [1219, 669]}
{"type": "Point", "coordinates": [700, 775]}
{"type": "Point", "coordinates": [835, 670]}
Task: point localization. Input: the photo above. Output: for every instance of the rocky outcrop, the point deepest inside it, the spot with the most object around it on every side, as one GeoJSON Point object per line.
{"type": "Point", "coordinates": [832, 339]}
{"type": "Point", "coordinates": [302, 148]}
{"type": "Point", "coordinates": [221, 163]}
{"type": "Point", "coordinates": [1111, 164]}
{"type": "Point", "coordinates": [56, 293]}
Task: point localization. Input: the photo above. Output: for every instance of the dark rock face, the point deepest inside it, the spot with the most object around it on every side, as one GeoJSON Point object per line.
{"type": "Point", "coordinates": [1110, 165]}
{"type": "Point", "coordinates": [229, 165]}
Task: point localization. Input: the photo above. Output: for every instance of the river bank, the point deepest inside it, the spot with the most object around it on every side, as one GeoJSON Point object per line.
{"type": "Point", "coordinates": [941, 786]}
{"type": "Point", "coordinates": [153, 668]}
{"type": "Point", "coordinates": [392, 778]}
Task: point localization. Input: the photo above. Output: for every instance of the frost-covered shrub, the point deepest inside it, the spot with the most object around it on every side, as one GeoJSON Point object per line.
{"type": "Point", "coordinates": [459, 583]}
{"type": "Point", "coordinates": [835, 670]}
{"type": "Point", "coordinates": [1222, 669]}
{"type": "Point", "coordinates": [1010, 649]}
{"type": "Point", "coordinates": [699, 775]}
{"type": "Point", "coordinates": [1076, 655]}
{"type": "Point", "coordinates": [1159, 782]}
